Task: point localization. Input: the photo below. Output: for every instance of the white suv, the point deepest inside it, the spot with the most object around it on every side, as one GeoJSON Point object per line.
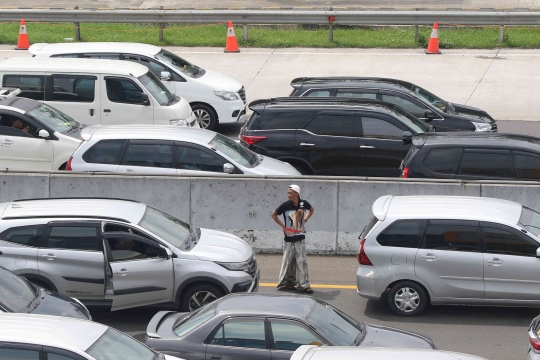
{"type": "Point", "coordinates": [122, 253]}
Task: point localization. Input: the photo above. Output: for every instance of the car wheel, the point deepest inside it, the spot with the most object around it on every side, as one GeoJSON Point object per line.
{"type": "Point", "coordinates": [200, 295]}
{"type": "Point", "coordinates": [40, 284]}
{"type": "Point", "coordinates": [407, 299]}
{"type": "Point", "coordinates": [302, 168]}
{"type": "Point", "coordinates": [205, 116]}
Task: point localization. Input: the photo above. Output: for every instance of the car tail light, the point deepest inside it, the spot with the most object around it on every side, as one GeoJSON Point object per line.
{"type": "Point", "coordinates": [252, 140]}
{"type": "Point", "coordinates": [68, 165]}
{"type": "Point", "coordinates": [362, 256]}
{"type": "Point", "coordinates": [535, 343]}
{"type": "Point", "coordinates": [405, 173]}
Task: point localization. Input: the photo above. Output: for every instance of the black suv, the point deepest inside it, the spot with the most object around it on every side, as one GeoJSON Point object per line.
{"type": "Point", "coordinates": [473, 156]}
{"type": "Point", "coordinates": [332, 136]}
{"type": "Point", "coordinates": [443, 115]}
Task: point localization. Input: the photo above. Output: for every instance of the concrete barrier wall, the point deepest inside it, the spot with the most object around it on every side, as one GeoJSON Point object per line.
{"type": "Point", "coordinates": [243, 206]}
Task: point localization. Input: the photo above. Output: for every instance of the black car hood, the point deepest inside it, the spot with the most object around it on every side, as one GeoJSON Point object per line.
{"type": "Point", "coordinates": [385, 336]}
{"type": "Point", "coordinates": [471, 113]}
{"type": "Point", "coordinates": [53, 303]}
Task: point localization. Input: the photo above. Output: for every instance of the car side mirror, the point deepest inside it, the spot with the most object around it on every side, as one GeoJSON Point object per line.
{"type": "Point", "coordinates": [538, 252]}
{"type": "Point", "coordinates": [228, 168]}
{"type": "Point", "coordinates": [145, 100]}
{"type": "Point", "coordinates": [407, 138]}
{"type": "Point", "coordinates": [165, 76]}
{"type": "Point", "coordinates": [44, 134]}
{"type": "Point", "coordinates": [429, 115]}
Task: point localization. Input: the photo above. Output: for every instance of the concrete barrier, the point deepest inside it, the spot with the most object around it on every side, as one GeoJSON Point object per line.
{"type": "Point", "coordinates": [242, 205]}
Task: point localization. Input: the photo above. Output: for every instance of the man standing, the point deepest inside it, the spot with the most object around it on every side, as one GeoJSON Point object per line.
{"type": "Point", "coordinates": [296, 212]}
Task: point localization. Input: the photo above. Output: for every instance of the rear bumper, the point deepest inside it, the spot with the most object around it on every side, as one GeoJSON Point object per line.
{"type": "Point", "coordinates": [366, 284]}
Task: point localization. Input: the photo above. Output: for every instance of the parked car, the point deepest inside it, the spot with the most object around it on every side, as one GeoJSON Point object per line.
{"type": "Point", "coordinates": [122, 253]}
{"type": "Point", "coordinates": [473, 157]}
{"type": "Point", "coordinates": [213, 97]}
{"type": "Point", "coordinates": [441, 114]}
{"type": "Point", "coordinates": [32, 337]}
{"type": "Point", "coordinates": [534, 339]}
{"type": "Point", "coordinates": [268, 326]}
{"type": "Point", "coordinates": [151, 149]}
{"type": "Point", "coordinates": [332, 136]}
{"type": "Point", "coordinates": [34, 136]}
{"type": "Point", "coordinates": [18, 295]}
{"type": "Point", "coordinates": [310, 352]}
{"type": "Point", "coordinates": [456, 250]}
{"type": "Point", "coordinates": [104, 92]}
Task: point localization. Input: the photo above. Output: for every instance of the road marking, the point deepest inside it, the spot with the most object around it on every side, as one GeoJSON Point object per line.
{"type": "Point", "coordinates": [316, 286]}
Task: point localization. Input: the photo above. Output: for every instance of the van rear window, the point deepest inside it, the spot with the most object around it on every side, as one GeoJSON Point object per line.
{"type": "Point", "coordinates": [403, 233]}
{"type": "Point", "coordinates": [274, 120]}
{"type": "Point", "coordinates": [442, 161]}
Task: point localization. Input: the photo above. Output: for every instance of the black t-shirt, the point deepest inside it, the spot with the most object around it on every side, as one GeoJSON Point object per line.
{"type": "Point", "coordinates": [293, 218]}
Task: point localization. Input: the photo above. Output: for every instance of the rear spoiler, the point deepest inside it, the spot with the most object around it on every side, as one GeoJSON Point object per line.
{"type": "Point", "coordinates": [86, 133]}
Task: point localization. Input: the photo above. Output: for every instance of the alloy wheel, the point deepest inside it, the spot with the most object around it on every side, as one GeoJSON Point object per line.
{"type": "Point", "coordinates": [203, 117]}
{"type": "Point", "coordinates": [201, 298]}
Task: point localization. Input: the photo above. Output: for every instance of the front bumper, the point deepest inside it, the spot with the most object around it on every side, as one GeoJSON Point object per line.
{"type": "Point", "coordinates": [229, 111]}
{"type": "Point", "coordinates": [248, 286]}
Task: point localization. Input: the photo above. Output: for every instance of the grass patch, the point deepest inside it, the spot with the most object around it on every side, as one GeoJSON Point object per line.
{"type": "Point", "coordinates": [280, 36]}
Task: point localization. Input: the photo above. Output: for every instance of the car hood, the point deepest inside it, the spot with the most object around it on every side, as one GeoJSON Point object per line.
{"type": "Point", "coordinates": [471, 113]}
{"type": "Point", "coordinates": [377, 335]}
{"type": "Point", "coordinates": [53, 303]}
{"type": "Point", "coordinates": [216, 245]}
{"type": "Point", "coordinates": [220, 81]}
{"type": "Point", "coordinates": [269, 166]}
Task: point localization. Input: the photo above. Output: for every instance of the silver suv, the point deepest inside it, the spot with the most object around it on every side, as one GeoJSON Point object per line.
{"type": "Point", "coordinates": [449, 250]}
{"type": "Point", "coordinates": [121, 253]}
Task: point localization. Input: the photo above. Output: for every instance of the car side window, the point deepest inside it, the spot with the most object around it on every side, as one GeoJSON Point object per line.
{"type": "Point", "coordinates": [450, 237]}
{"type": "Point", "coordinates": [52, 356]}
{"type": "Point", "coordinates": [402, 233]}
{"type": "Point", "coordinates": [195, 159]}
{"type": "Point", "coordinates": [24, 235]}
{"type": "Point", "coordinates": [405, 104]}
{"type": "Point", "coordinates": [105, 152]}
{"type": "Point", "coordinates": [504, 242]}
{"type": "Point", "coordinates": [356, 94]}
{"type": "Point", "coordinates": [32, 86]}
{"type": "Point", "coordinates": [73, 89]}
{"type": "Point", "coordinates": [318, 93]}
{"type": "Point", "coordinates": [73, 238]}
{"type": "Point", "coordinates": [13, 125]}
{"type": "Point", "coordinates": [289, 336]}
{"type": "Point", "coordinates": [486, 163]}
{"type": "Point", "coordinates": [241, 333]}
{"type": "Point", "coordinates": [442, 161]}
{"type": "Point", "coordinates": [272, 120]}
{"type": "Point", "coordinates": [18, 354]}
{"type": "Point", "coordinates": [332, 125]}
{"type": "Point", "coordinates": [148, 155]}
{"type": "Point", "coordinates": [123, 91]}
{"type": "Point", "coordinates": [527, 166]}
{"type": "Point", "coordinates": [102, 56]}
{"type": "Point", "coordinates": [128, 249]}
{"type": "Point", "coordinates": [380, 129]}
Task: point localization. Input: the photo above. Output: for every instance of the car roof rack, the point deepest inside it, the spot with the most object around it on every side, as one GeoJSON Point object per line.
{"type": "Point", "coordinates": [307, 99]}
{"type": "Point", "coordinates": [76, 198]}
{"type": "Point", "coordinates": [9, 93]}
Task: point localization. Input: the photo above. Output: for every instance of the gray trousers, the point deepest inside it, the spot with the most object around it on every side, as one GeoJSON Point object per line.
{"type": "Point", "coordinates": [294, 268]}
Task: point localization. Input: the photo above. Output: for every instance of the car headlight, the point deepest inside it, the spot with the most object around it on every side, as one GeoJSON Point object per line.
{"type": "Point", "coordinates": [482, 126]}
{"type": "Point", "coordinates": [226, 95]}
{"type": "Point", "coordinates": [179, 122]}
{"type": "Point", "coordinates": [239, 266]}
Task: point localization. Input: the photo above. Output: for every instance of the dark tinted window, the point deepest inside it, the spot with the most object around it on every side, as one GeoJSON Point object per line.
{"type": "Point", "coordinates": [282, 120]}
{"type": "Point", "coordinates": [150, 155]}
{"type": "Point", "coordinates": [490, 164]}
{"type": "Point", "coordinates": [73, 89]}
{"type": "Point", "coordinates": [31, 86]}
{"type": "Point", "coordinates": [13, 125]}
{"type": "Point", "coordinates": [246, 334]}
{"type": "Point", "coordinates": [126, 249]}
{"type": "Point", "coordinates": [15, 291]}
{"type": "Point", "coordinates": [451, 237]}
{"type": "Point", "coordinates": [504, 242]}
{"type": "Point", "coordinates": [318, 93]}
{"type": "Point", "coordinates": [24, 235]}
{"type": "Point", "coordinates": [380, 129]}
{"type": "Point", "coordinates": [527, 167]}
{"type": "Point", "coordinates": [105, 152]}
{"type": "Point", "coordinates": [355, 94]}
{"type": "Point", "coordinates": [195, 159]}
{"type": "Point", "coordinates": [103, 56]}
{"type": "Point", "coordinates": [73, 238]}
{"type": "Point", "coordinates": [402, 233]}
{"type": "Point", "coordinates": [153, 66]}
{"type": "Point", "coordinates": [51, 356]}
{"type": "Point", "coordinates": [442, 161]}
{"type": "Point", "coordinates": [71, 56]}
{"type": "Point", "coordinates": [123, 91]}
{"type": "Point", "coordinates": [290, 336]}
{"type": "Point", "coordinates": [18, 354]}
{"type": "Point", "coordinates": [405, 104]}
{"type": "Point", "coordinates": [334, 125]}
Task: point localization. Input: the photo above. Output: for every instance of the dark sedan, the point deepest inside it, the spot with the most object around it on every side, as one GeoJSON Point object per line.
{"type": "Point", "coordinates": [267, 326]}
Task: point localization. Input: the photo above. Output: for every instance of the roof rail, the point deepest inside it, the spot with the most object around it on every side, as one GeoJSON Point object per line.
{"type": "Point", "coordinates": [302, 80]}
{"type": "Point", "coordinates": [76, 198]}
{"type": "Point", "coordinates": [9, 93]}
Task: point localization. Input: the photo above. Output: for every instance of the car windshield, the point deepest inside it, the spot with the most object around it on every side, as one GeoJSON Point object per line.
{"type": "Point", "coordinates": [16, 294]}
{"type": "Point", "coordinates": [340, 328]}
{"type": "Point", "coordinates": [114, 345]}
{"type": "Point", "coordinates": [412, 122]}
{"type": "Point", "coordinates": [530, 220]}
{"type": "Point", "coordinates": [184, 66]}
{"type": "Point", "coordinates": [53, 118]}
{"type": "Point", "coordinates": [434, 100]}
{"type": "Point", "coordinates": [194, 319]}
{"type": "Point", "coordinates": [156, 88]}
{"type": "Point", "coordinates": [234, 150]}
{"type": "Point", "coordinates": [173, 230]}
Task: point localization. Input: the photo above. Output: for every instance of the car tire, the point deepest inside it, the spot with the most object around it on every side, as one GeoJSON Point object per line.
{"type": "Point", "coordinates": [40, 284]}
{"type": "Point", "coordinates": [302, 168]}
{"type": "Point", "coordinates": [407, 298]}
{"type": "Point", "coordinates": [200, 295]}
{"type": "Point", "coordinates": [205, 115]}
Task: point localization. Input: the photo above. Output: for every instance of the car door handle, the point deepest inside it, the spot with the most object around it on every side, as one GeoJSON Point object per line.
{"type": "Point", "coordinates": [107, 110]}
{"type": "Point", "coordinates": [429, 257]}
{"type": "Point", "coordinates": [6, 142]}
{"type": "Point", "coordinates": [307, 144]}
{"type": "Point", "coordinates": [49, 256]}
{"type": "Point", "coordinates": [91, 112]}
{"type": "Point", "coordinates": [367, 147]}
{"type": "Point", "coordinates": [215, 356]}
{"type": "Point", "coordinates": [495, 262]}
{"type": "Point", "coordinates": [122, 272]}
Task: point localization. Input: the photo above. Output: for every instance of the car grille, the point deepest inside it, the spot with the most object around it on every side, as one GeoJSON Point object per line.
{"type": "Point", "coordinates": [252, 266]}
{"type": "Point", "coordinates": [242, 93]}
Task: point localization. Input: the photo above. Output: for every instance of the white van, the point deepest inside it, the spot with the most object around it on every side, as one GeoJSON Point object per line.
{"type": "Point", "coordinates": [97, 91]}
{"type": "Point", "coordinates": [213, 97]}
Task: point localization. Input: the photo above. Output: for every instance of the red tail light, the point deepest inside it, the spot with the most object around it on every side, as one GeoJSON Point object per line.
{"type": "Point", "coordinates": [252, 140]}
{"type": "Point", "coordinates": [405, 173]}
{"type": "Point", "coordinates": [362, 256]}
{"type": "Point", "coordinates": [68, 165]}
{"type": "Point", "coordinates": [535, 343]}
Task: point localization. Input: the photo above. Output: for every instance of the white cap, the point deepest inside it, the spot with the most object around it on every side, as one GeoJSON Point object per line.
{"type": "Point", "coordinates": [295, 188]}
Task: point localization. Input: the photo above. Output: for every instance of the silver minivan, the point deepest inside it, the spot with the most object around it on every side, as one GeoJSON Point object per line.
{"type": "Point", "coordinates": [417, 250]}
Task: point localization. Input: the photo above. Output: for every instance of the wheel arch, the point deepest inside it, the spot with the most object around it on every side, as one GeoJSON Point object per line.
{"type": "Point", "coordinates": [40, 278]}
{"type": "Point", "coordinates": [198, 280]}
{"type": "Point", "coordinates": [288, 159]}
{"type": "Point", "coordinates": [194, 103]}
{"type": "Point", "coordinates": [384, 295]}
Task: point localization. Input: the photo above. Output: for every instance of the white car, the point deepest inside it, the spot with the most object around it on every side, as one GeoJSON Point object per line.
{"type": "Point", "coordinates": [169, 150]}
{"type": "Point", "coordinates": [213, 97]}
{"type": "Point", "coordinates": [33, 337]}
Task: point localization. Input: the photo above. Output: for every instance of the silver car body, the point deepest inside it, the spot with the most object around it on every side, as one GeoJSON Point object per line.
{"type": "Point", "coordinates": [194, 139]}
{"type": "Point", "coordinates": [451, 277]}
{"type": "Point", "coordinates": [95, 279]}
{"type": "Point", "coordinates": [309, 352]}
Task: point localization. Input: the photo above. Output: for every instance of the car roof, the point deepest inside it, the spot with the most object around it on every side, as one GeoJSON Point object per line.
{"type": "Point", "coordinates": [471, 139]}
{"type": "Point", "coordinates": [95, 208]}
{"type": "Point", "coordinates": [62, 65]}
{"type": "Point", "coordinates": [149, 132]}
{"type": "Point", "coordinates": [448, 207]}
{"type": "Point", "coordinates": [352, 82]}
{"type": "Point", "coordinates": [57, 331]}
{"type": "Point", "coordinates": [94, 47]}
{"type": "Point", "coordinates": [292, 305]}
{"type": "Point", "coordinates": [19, 104]}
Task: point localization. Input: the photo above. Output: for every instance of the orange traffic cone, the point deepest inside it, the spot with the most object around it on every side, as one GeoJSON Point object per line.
{"type": "Point", "coordinates": [433, 45]}
{"type": "Point", "coordinates": [23, 43]}
{"type": "Point", "coordinates": [232, 45]}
